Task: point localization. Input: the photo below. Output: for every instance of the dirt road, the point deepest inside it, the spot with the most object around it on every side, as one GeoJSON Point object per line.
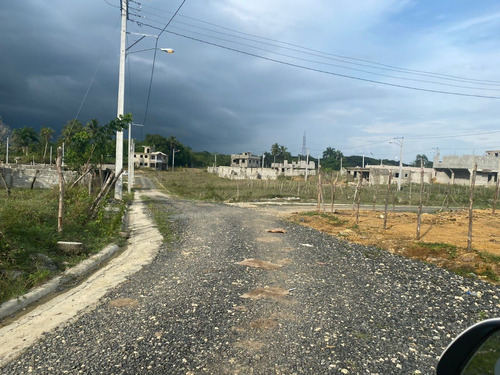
{"type": "Point", "coordinates": [228, 297]}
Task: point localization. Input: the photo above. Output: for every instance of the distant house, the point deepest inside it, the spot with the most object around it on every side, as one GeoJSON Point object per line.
{"type": "Point", "coordinates": [248, 166]}
{"type": "Point", "coordinates": [458, 169]}
{"type": "Point", "coordinates": [151, 159]}
{"type": "Point", "coordinates": [292, 169]}
{"type": "Point", "coordinates": [245, 160]}
{"type": "Point", "coordinates": [379, 174]}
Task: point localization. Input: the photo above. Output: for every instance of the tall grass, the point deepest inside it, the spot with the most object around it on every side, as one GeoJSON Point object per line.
{"type": "Point", "coordinates": [28, 235]}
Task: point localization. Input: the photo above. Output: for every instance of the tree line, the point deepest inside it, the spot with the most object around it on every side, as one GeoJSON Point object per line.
{"type": "Point", "coordinates": [94, 143]}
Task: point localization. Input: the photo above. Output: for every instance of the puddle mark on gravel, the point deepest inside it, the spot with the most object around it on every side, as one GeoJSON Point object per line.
{"type": "Point", "coordinates": [250, 345]}
{"type": "Point", "coordinates": [266, 292]}
{"type": "Point", "coordinates": [263, 324]}
{"type": "Point", "coordinates": [276, 230]}
{"type": "Point", "coordinates": [258, 263]}
{"type": "Point", "coordinates": [268, 239]}
{"type": "Point", "coordinates": [124, 302]}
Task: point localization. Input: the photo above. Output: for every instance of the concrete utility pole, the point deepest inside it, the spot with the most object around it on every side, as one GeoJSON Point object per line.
{"type": "Point", "coordinates": [400, 142]}
{"type": "Point", "coordinates": [307, 164]}
{"type": "Point", "coordinates": [121, 102]}
{"type": "Point", "coordinates": [7, 152]}
{"type": "Point", "coordinates": [131, 172]}
{"type": "Point", "coordinates": [401, 163]}
{"type": "Point", "coordinates": [173, 158]}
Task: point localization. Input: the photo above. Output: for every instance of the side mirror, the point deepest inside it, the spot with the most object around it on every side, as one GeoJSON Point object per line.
{"type": "Point", "coordinates": [474, 351]}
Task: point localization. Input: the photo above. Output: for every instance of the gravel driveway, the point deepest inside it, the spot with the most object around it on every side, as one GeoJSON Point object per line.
{"type": "Point", "coordinates": [321, 306]}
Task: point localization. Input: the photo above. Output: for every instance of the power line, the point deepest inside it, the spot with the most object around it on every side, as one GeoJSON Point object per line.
{"type": "Point", "coordinates": [114, 6]}
{"type": "Point", "coordinates": [454, 135]}
{"type": "Point", "coordinates": [342, 66]}
{"type": "Point", "coordinates": [302, 49]}
{"type": "Point", "coordinates": [154, 60]}
{"type": "Point", "coordinates": [96, 70]}
{"type": "Point", "coordinates": [331, 73]}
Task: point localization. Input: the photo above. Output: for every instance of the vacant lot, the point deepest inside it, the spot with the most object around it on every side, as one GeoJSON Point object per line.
{"type": "Point", "coordinates": [443, 236]}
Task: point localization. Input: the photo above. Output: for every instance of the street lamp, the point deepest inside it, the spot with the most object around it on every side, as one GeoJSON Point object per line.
{"type": "Point", "coordinates": [400, 142]}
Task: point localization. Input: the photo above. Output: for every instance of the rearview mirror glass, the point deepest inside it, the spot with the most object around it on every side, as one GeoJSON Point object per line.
{"type": "Point", "coordinates": [486, 360]}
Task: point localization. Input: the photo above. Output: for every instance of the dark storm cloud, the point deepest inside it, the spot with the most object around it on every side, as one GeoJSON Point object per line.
{"type": "Point", "coordinates": [219, 100]}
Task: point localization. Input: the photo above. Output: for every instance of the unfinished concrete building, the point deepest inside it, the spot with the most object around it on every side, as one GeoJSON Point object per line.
{"type": "Point", "coordinates": [379, 174]}
{"type": "Point", "coordinates": [458, 169]}
{"type": "Point", "coordinates": [245, 160]}
{"type": "Point", "coordinates": [248, 166]}
{"type": "Point", "coordinates": [151, 159]}
{"type": "Point", "coordinates": [298, 168]}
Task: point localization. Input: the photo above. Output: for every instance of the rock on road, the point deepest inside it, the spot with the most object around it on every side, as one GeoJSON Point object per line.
{"type": "Point", "coordinates": [318, 305]}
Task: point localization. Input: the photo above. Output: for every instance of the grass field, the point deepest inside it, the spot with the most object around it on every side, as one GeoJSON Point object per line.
{"type": "Point", "coordinates": [28, 235]}
{"type": "Point", "coordinates": [201, 185]}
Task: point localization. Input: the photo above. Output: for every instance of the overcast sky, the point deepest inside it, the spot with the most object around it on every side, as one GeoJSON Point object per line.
{"type": "Point", "coordinates": [333, 69]}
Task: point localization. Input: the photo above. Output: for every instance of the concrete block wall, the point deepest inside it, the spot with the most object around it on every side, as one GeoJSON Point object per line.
{"type": "Point", "coordinates": [467, 161]}
{"type": "Point", "coordinates": [46, 177]}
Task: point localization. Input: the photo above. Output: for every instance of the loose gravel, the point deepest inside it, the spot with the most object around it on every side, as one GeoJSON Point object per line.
{"type": "Point", "coordinates": [332, 308]}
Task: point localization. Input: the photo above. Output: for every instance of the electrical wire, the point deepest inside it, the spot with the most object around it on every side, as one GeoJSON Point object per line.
{"type": "Point", "coordinates": [114, 6]}
{"type": "Point", "coordinates": [154, 60]}
{"type": "Point", "coordinates": [303, 49]}
{"type": "Point", "coordinates": [324, 56]}
{"type": "Point", "coordinates": [454, 135]}
{"type": "Point", "coordinates": [345, 67]}
{"type": "Point", "coordinates": [95, 72]}
{"type": "Point", "coordinates": [331, 73]}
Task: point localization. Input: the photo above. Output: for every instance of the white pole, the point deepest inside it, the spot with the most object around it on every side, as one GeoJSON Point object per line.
{"type": "Point", "coordinates": [307, 164]}
{"type": "Point", "coordinates": [132, 171]}
{"type": "Point", "coordinates": [51, 156]}
{"type": "Point", "coordinates": [400, 163]}
{"type": "Point", "coordinates": [130, 163]}
{"type": "Point", "coordinates": [7, 152]}
{"type": "Point", "coordinates": [363, 163]}
{"type": "Point", "coordinates": [121, 102]}
{"type": "Point", "coordinates": [173, 159]}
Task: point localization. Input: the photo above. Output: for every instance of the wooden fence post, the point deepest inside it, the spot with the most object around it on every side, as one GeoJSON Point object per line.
{"type": "Point", "coordinates": [7, 188]}
{"type": "Point", "coordinates": [358, 198]}
{"type": "Point", "coordinates": [495, 200]}
{"type": "Point", "coordinates": [387, 199]}
{"type": "Point", "coordinates": [61, 191]}
{"type": "Point", "coordinates": [471, 204]}
{"type": "Point", "coordinates": [419, 215]}
{"type": "Point", "coordinates": [334, 187]}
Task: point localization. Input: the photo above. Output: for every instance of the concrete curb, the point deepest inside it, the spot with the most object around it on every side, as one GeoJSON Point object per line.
{"type": "Point", "coordinates": [77, 272]}
{"type": "Point", "coordinates": [59, 282]}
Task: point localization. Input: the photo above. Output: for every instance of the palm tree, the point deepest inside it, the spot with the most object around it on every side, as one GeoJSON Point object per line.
{"type": "Point", "coordinates": [275, 150]}
{"type": "Point", "coordinates": [329, 152]}
{"type": "Point", "coordinates": [69, 130]}
{"type": "Point", "coordinates": [284, 154]}
{"type": "Point", "coordinates": [421, 158]}
{"type": "Point", "coordinates": [92, 128]}
{"type": "Point", "coordinates": [46, 134]}
{"type": "Point", "coordinates": [24, 137]}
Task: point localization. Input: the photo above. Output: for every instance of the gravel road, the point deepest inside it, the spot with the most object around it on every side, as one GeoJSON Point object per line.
{"type": "Point", "coordinates": [323, 306]}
